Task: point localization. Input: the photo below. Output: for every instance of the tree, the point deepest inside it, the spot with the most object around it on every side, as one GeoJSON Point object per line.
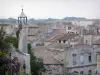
{"type": "Point", "coordinates": [5, 46]}
{"type": "Point", "coordinates": [12, 40]}
{"type": "Point", "coordinates": [37, 66]}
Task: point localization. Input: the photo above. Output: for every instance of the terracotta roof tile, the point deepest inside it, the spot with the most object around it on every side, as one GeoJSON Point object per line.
{"type": "Point", "coordinates": [68, 36]}
{"type": "Point", "coordinates": [46, 55]}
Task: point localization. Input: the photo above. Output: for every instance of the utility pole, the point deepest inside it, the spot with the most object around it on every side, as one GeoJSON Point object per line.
{"type": "Point", "coordinates": [10, 64]}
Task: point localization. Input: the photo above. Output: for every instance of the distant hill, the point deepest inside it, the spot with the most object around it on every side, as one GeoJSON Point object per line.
{"type": "Point", "coordinates": [8, 20]}
{"type": "Point", "coordinates": [41, 20]}
{"type": "Point", "coordinates": [73, 18]}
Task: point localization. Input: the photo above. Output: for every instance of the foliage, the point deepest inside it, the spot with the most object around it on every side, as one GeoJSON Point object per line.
{"type": "Point", "coordinates": [5, 42]}
{"type": "Point", "coordinates": [2, 54]}
{"type": "Point", "coordinates": [12, 40]}
{"type": "Point", "coordinates": [37, 66]}
{"type": "Point", "coordinates": [4, 46]}
{"type": "Point", "coordinates": [3, 64]}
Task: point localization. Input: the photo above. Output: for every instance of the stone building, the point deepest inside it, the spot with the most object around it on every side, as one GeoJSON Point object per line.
{"type": "Point", "coordinates": [22, 31]}
{"type": "Point", "coordinates": [81, 59]}
{"type": "Point", "coordinates": [33, 30]}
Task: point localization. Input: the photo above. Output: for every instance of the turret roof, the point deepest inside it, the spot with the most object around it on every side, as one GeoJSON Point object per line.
{"type": "Point", "coordinates": [22, 15]}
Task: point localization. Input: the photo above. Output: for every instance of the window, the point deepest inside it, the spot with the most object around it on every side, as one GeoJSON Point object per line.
{"type": "Point", "coordinates": [59, 41]}
{"type": "Point", "coordinates": [74, 59]}
{"type": "Point", "coordinates": [75, 73]}
{"type": "Point", "coordinates": [81, 73]}
{"type": "Point", "coordinates": [69, 28]}
{"type": "Point", "coordinates": [89, 57]}
{"type": "Point", "coordinates": [86, 41]}
{"type": "Point", "coordinates": [61, 60]}
{"type": "Point", "coordinates": [81, 59]}
{"type": "Point", "coordinates": [64, 41]}
{"type": "Point", "coordinates": [96, 57]}
{"type": "Point", "coordinates": [90, 72]}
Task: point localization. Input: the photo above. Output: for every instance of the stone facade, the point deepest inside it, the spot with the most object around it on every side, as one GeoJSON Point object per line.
{"type": "Point", "coordinates": [54, 69]}
{"type": "Point", "coordinates": [82, 59]}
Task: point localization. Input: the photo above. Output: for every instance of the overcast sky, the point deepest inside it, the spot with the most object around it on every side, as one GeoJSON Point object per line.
{"type": "Point", "coordinates": [50, 8]}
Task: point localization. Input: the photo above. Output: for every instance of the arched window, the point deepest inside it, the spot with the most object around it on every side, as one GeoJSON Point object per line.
{"type": "Point", "coordinates": [75, 73]}
{"type": "Point", "coordinates": [81, 73]}
{"type": "Point", "coordinates": [90, 72]}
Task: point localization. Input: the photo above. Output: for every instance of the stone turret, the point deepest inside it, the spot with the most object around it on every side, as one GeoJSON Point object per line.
{"type": "Point", "coordinates": [22, 32]}
{"type": "Point", "coordinates": [23, 43]}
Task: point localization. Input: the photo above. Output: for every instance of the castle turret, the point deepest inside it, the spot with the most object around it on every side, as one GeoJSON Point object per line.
{"type": "Point", "coordinates": [22, 26]}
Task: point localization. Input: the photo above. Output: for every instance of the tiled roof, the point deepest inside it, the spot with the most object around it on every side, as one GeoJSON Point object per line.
{"type": "Point", "coordinates": [68, 36]}
{"type": "Point", "coordinates": [46, 55]}
{"type": "Point", "coordinates": [93, 26]}
{"type": "Point", "coordinates": [56, 37]}
{"type": "Point", "coordinates": [58, 46]}
{"type": "Point", "coordinates": [81, 46]}
{"type": "Point", "coordinates": [33, 26]}
{"type": "Point", "coordinates": [97, 41]}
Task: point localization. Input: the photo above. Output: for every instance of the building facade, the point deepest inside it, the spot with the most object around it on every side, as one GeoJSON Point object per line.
{"type": "Point", "coordinates": [82, 60]}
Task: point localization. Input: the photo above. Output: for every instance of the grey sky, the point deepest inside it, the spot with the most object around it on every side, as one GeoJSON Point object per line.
{"type": "Point", "coordinates": [50, 8]}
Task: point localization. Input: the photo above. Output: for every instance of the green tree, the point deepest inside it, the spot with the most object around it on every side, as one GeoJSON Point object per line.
{"type": "Point", "coordinates": [4, 49]}
{"type": "Point", "coordinates": [37, 66]}
{"type": "Point", "coordinates": [5, 42]}
{"type": "Point", "coordinates": [4, 46]}
{"type": "Point", "coordinates": [12, 40]}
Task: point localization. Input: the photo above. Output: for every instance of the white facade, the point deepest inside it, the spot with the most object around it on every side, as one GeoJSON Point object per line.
{"type": "Point", "coordinates": [70, 29]}
{"type": "Point", "coordinates": [90, 39]}
{"type": "Point", "coordinates": [82, 22]}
